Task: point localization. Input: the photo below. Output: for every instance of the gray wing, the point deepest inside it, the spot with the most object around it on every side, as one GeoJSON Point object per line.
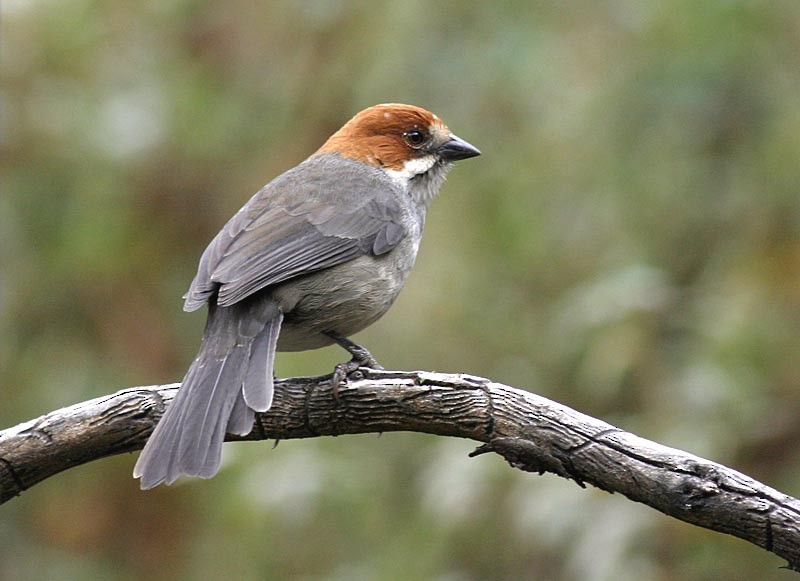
{"type": "Point", "coordinates": [304, 220]}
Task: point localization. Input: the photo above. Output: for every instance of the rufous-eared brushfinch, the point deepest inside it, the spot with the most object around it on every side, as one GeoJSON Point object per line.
{"type": "Point", "coordinates": [316, 255]}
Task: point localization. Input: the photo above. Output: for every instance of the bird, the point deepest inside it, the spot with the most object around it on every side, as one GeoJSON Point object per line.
{"type": "Point", "coordinates": [315, 256]}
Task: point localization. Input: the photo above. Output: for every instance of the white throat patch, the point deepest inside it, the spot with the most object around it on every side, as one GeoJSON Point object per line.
{"type": "Point", "coordinates": [421, 177]}
{"type": "Point", "coordinates": [411, 168]}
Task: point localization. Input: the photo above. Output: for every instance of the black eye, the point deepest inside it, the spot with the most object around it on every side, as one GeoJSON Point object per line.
{"type": "Point", "coordinates": [415, 138]}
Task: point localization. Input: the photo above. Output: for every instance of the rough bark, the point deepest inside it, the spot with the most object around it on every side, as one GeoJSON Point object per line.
{"type": "Point", "coordinates": [532, 433]}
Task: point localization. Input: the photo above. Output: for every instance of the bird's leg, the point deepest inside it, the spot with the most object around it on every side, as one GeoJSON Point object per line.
{"type": "Point", "coordinates": [360, 354]}
{"type": "Point", "coordinates": [361, 358]}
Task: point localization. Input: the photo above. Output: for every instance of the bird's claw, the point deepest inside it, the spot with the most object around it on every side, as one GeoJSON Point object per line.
{"type": "Point", "coordinates": [340, 373]}
{"type": "Point", "coordinates": [349, 369]}
{"type": "Point", "coordinates": [361, 358]}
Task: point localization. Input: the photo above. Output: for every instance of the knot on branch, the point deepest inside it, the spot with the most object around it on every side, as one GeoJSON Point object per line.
{"type": "Point", "coordinates": [529, 456]}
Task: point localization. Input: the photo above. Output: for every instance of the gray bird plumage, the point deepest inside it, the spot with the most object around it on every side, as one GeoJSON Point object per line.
{"type": "Point", "coordinates": [295, 229]}
{"type": "Point", "coordinates": [303, 221]}
{"type": "Point", "coordinates": [318, 254]}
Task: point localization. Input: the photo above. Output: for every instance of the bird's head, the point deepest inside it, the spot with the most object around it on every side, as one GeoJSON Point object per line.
{"type": "Point", "coordinates": [411, 145]}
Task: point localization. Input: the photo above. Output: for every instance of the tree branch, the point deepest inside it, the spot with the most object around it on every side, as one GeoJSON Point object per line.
{"type": "Point", "coordinates": [532, 433]}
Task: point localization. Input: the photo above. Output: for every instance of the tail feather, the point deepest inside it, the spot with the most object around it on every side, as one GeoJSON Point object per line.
{"type": "Point", "coordinates": [242, 417]}
{"type": "Point", "coordinates": [157, 463]}
{"type": "Point", "coordinates": [258, 386]}
{"type": "Point", "coordinates": [200, 446]}
{"type": "Point", "coordinates": [257, 389]}
{"type": "Point", "coordinates": [235, 360]}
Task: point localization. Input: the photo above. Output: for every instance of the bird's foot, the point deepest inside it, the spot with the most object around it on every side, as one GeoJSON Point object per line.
{"type": "Point", "coordinates": [361, 358]}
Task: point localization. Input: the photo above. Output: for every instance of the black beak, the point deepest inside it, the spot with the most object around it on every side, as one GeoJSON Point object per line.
{"type": "Point", "coordinates": [456, 149]}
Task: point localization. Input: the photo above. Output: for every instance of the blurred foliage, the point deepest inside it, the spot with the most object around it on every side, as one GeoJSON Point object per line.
{"type": "Point", "coordinates": [628, 244]}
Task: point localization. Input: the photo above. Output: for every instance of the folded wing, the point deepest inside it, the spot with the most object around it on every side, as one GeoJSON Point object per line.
{"type": "Point", "coordinates": [301, 222]}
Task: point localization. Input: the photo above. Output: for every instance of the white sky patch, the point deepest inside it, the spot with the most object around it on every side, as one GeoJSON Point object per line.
{"type": "Point", "coordinates": [130, 123]}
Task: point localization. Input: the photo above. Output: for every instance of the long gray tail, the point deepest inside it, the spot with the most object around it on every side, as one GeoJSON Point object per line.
{"type": "Point", "coordinates": [229, 381]}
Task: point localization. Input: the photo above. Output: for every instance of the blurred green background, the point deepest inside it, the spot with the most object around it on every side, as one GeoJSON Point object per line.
{"type": "Point", "coordinates": [628, 244]}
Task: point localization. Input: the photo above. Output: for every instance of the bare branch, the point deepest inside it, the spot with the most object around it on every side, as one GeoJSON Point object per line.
{"type": "Point", "coordinates": [532, 433]}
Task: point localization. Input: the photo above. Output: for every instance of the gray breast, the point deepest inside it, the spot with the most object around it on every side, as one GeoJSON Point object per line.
{"type": "Point", "coordinates": [343, 299]}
